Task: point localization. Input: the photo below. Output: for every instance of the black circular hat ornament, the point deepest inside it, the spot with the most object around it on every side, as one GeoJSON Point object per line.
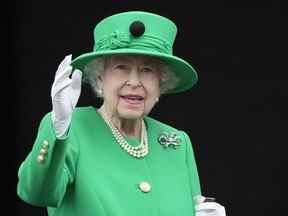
{"type": "Point", "coordinates": [137, 28]}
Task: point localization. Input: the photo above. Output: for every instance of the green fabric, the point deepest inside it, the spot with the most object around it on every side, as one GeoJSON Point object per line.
{"type": "Point", "coordinates": [89, 174]}
{"type": "Point", "coordinates": [112, 36]}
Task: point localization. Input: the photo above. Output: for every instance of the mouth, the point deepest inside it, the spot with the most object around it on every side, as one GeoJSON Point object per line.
{"type": "Point", "coordinates": [132, 99]}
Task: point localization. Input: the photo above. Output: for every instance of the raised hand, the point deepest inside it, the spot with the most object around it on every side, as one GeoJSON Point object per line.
{"type": "Point", "coordinates": [65, 93]}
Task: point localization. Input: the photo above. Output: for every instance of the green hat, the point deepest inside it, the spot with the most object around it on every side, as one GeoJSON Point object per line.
{"type": "Point", "coordinates": [139, 33]}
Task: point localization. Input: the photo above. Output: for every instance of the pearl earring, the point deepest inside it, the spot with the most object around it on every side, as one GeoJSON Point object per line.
{"type": "Point", "coordinates": [156, 99]}
{"type": "Point", "coordinates": [100, 92]}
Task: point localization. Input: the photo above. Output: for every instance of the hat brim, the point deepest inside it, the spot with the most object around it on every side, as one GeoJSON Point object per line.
{"type": "Point", "coordinates": [184, 71]}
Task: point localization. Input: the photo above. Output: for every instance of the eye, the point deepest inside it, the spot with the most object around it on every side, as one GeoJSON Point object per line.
{"type": "Point", "coordinates": [122, 67]}
{"type": "Point", "coordinates": [148, 70]}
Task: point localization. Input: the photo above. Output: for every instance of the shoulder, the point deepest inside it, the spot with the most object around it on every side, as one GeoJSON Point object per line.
{"type": "Point", "coordinates": [86, 115]}
{"type": "Point", "coordinates": [85, 110]}
{"type": "Point", "coordinates": [168, 133]}
{"type": "Point", "coordinates": [81, 115]}
{"type": "Point", "coordinates": [158, 124]}
{"type": "Point", "coordinates": [163, 127]}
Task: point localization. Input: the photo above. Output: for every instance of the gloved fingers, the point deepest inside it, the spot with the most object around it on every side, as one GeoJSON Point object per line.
{"type": "Point", "coordinates": [221, 210]}
{"type": "Point", "coordinates": [65, 62]}
{"type": "Point", "coordinates": [209, 206]}
{"type": "Point", "coordinates": [64, 74]}
{"type": "Point", "coordinates": [202, 213]}
{"type": "Point", "coordinates": [199, 199]}
{"type": "Point", "coordinates": [76, 80]}
{"type": "Point", "coordinates": [76, 87]}
{"type": "Point", "coordinates": [57, 88]}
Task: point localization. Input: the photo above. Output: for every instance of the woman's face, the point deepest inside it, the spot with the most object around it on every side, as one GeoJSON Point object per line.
{"type": "Point", "coordinates": [131, 85]}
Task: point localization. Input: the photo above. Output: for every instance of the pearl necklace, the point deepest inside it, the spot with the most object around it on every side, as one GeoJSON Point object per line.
{"type": "Point", "coordinates": [136, 151]}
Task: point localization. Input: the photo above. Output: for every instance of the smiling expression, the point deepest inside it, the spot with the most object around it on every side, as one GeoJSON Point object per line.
{"type": "Point", "coordinates": [131, 85]}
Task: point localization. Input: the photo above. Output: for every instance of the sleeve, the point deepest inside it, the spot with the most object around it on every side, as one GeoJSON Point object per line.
{"type": "Point", "coordinates": [192, 167]}
{"type": "Point", "coordinates": [49, 167]}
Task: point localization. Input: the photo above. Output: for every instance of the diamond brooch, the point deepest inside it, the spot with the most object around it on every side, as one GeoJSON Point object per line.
{"type": "Point", "coordinates": [169, 140]}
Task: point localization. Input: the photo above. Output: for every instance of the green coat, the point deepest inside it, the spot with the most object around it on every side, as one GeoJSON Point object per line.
{"type": "Point", "coordinates": [89, 174]}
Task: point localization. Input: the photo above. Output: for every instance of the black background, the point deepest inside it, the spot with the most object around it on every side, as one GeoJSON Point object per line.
{"type": "Point", "coordinates": [236, 115]}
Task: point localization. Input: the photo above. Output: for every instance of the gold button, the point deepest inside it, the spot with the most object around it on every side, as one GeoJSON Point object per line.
{"type": "Point", "coordinates": [45, 144]}
{"type": "Point", "coordinates": [145, 187]}
{"type": "Point", "coordinates": [43, 151]}
{"type": "Point", "coordinates": [40, 158]}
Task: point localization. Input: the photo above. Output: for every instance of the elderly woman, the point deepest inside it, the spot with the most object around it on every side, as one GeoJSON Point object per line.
{"type": "Point", "coordinates": [116, 160]}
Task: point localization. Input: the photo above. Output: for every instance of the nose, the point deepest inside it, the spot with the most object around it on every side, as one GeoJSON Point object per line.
{"type": "Point", "coordinates": [134, 78]}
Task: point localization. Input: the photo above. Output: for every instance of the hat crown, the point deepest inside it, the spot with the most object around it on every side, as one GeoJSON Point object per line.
{"type": "Point", "coordinates": [140, 33]}
{"type": "Point", "coordinates": [152, 31]}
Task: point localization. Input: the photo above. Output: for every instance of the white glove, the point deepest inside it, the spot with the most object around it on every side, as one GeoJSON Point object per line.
{"type": "Point", "coordinates": [203, 208]}
{"type": "Point", "coordinates": [65, 93]}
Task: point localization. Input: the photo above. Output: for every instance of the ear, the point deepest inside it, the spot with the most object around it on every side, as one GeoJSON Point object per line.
{"type": "Point", "coordinates": [99, 81]}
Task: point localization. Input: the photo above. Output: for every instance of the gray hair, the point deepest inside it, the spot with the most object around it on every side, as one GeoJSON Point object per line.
{"type": "Point", "coordinates": [94, 69]}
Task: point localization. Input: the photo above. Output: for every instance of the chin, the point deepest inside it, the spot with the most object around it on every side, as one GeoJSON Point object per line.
{"type": "Point", "coordinates": [131, 114]}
